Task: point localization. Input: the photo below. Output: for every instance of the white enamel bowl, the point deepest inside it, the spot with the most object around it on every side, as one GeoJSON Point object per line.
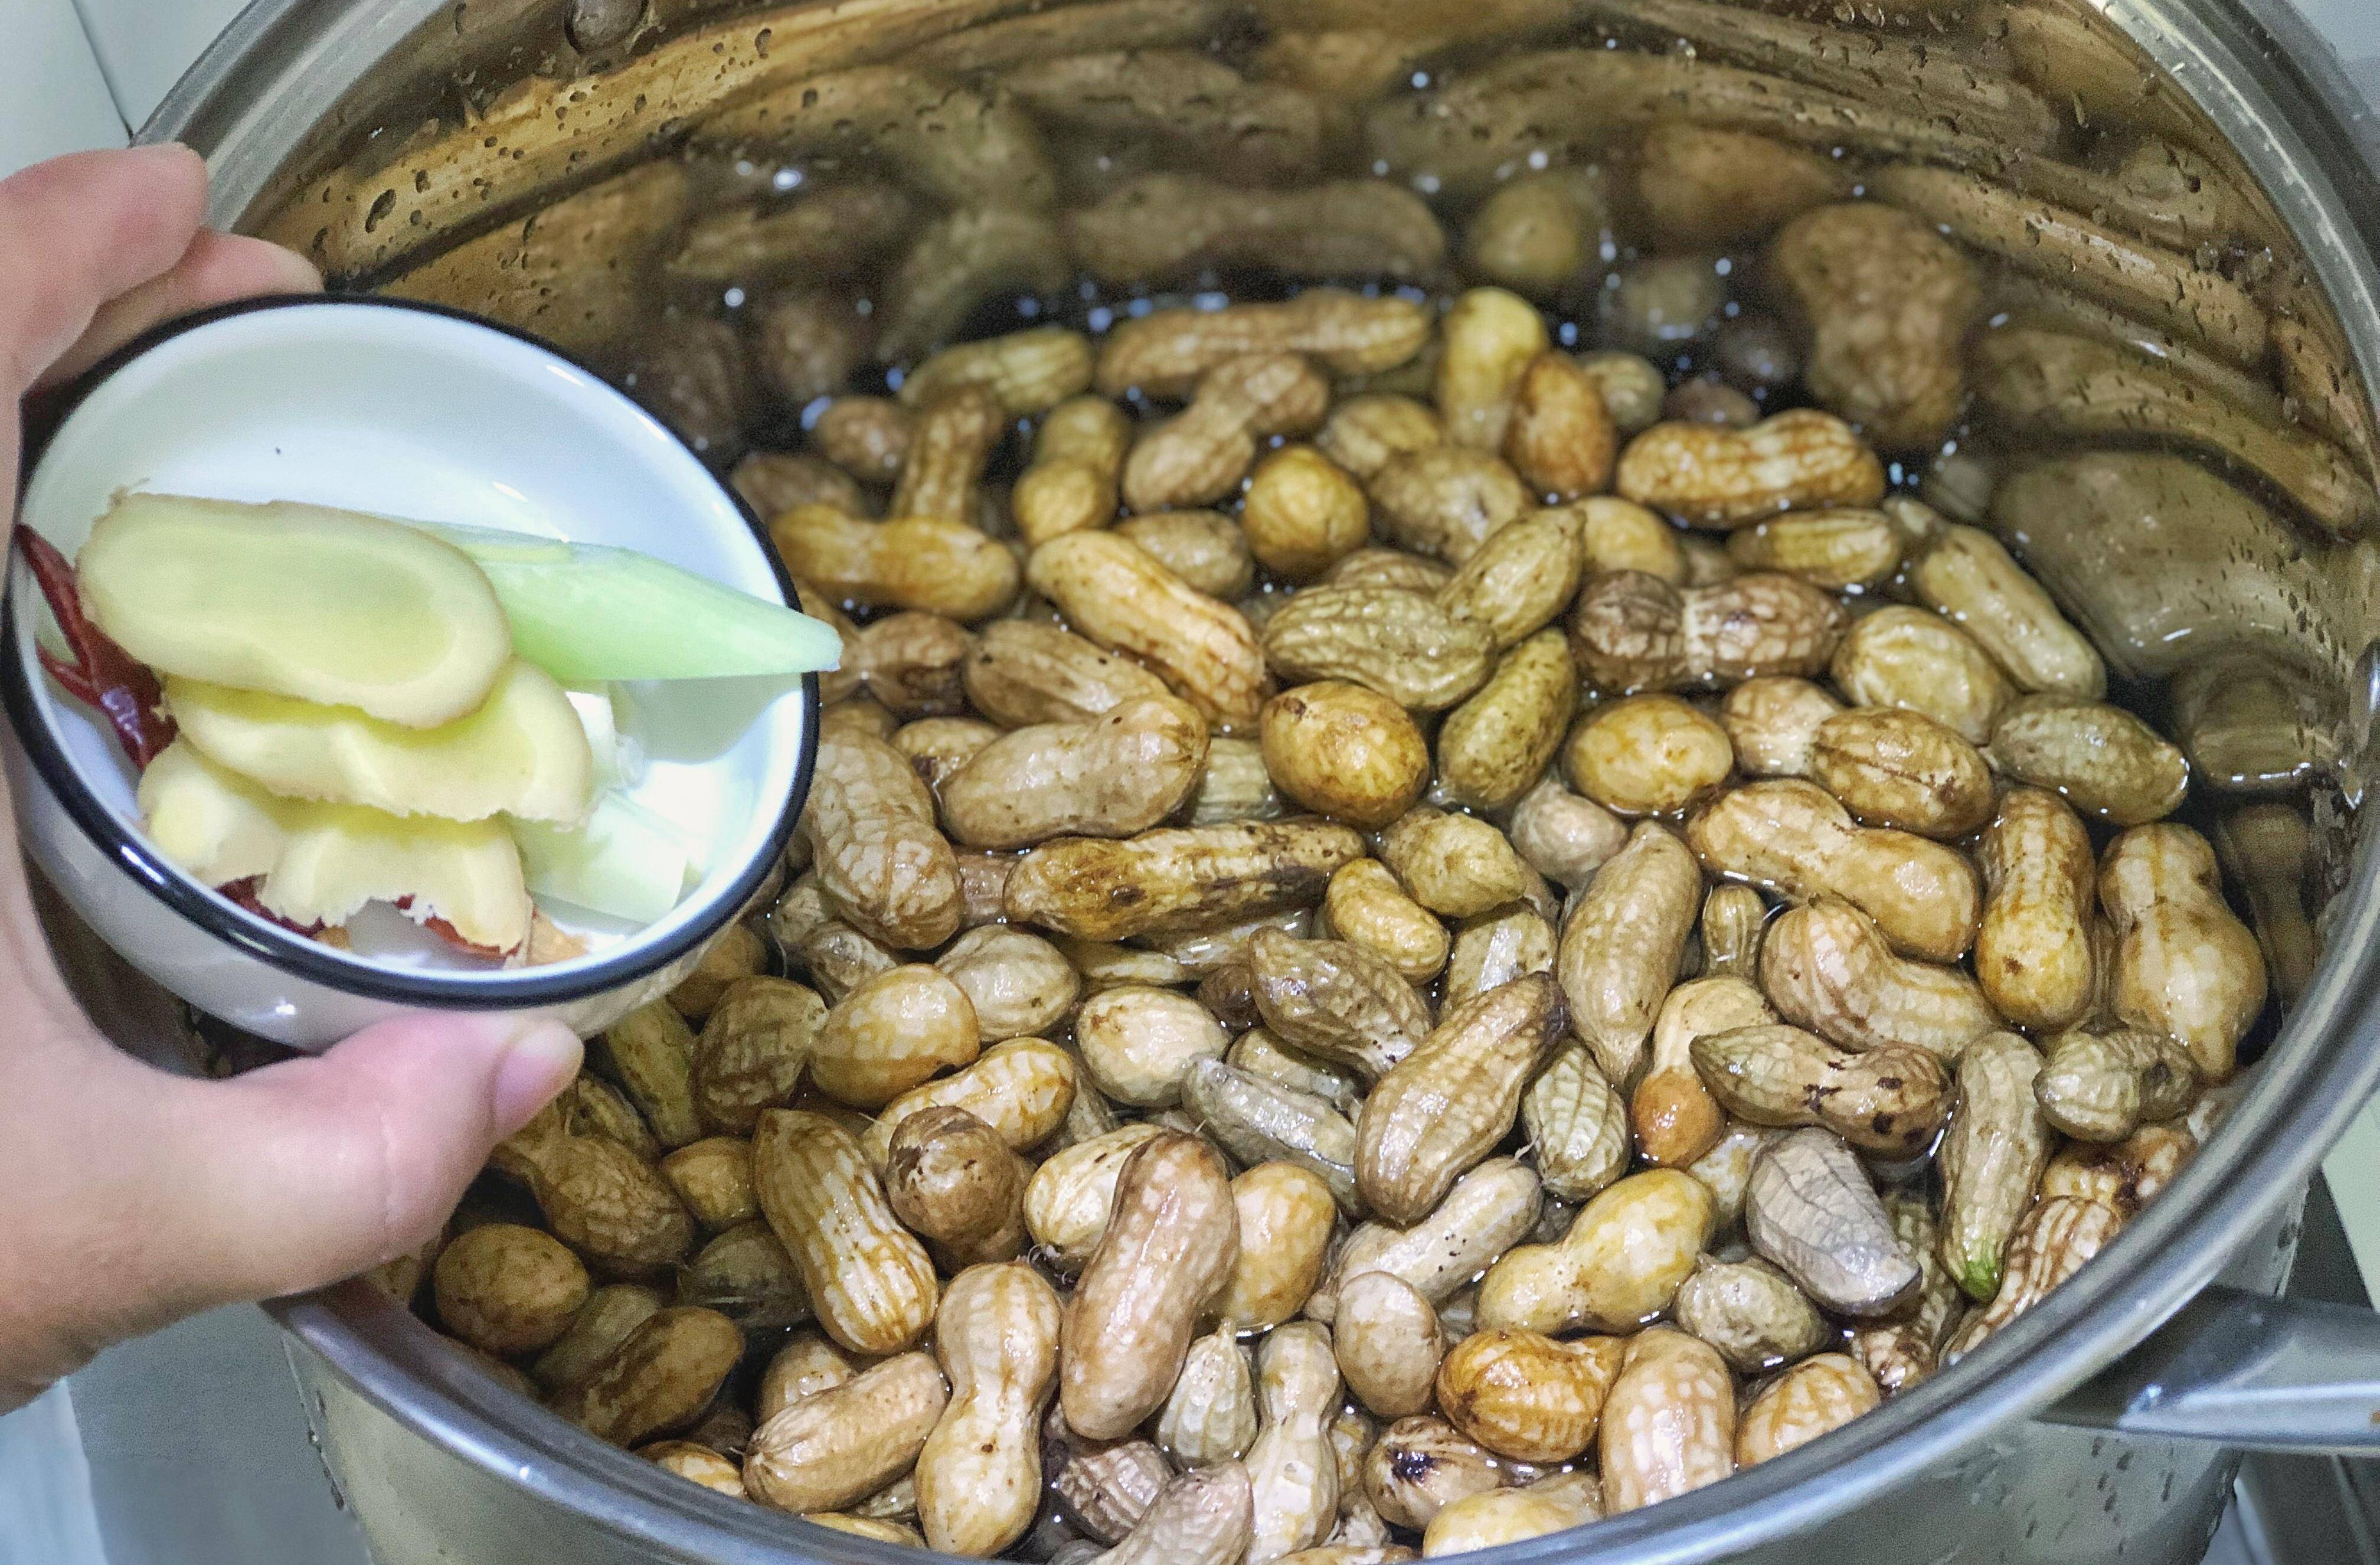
{"type": "Point", "coordinates": [406, 410]}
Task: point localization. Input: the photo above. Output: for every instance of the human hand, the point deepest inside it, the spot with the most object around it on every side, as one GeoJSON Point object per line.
{"type": "Point", "coordinates": [133, 1197]}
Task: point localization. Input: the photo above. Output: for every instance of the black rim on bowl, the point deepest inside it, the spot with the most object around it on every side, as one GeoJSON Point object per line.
{"type": "Point", "coordinates": [292, 953]}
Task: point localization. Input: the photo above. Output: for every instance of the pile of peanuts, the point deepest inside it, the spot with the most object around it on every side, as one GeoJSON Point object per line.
{"type": "Point", "coordinates": [1539, 955]}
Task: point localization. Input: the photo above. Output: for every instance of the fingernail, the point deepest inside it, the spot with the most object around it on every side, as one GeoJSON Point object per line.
{"type": "Point", "coordinates": [165, 153]}
{"type": "Point", "coordinates": [283, 270]}
{"type": "Point", "coordinates": [539, 1062]}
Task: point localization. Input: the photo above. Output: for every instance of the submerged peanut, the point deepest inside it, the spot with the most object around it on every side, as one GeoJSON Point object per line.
{"type": "Point", "coordinates": [2103, 1084]}
{"type": "Point", "coordinates": [936, 564]}
{"type": "Point", "coordinates": [1494, 948]}
{"type": "Point", "coordinates": [660, 1377]}
{"type": "Point", "coordinates": [1526, 1396]}
{"type": "Point", "coordinates": [1619, 1265]}
{"type": "Point", "coordinates": [1668, 1421]}
{"type": "Point", "coordinates": [1286, 1213]}
{"type": "Point", "coordinates": [1734, 924]}
{"type": "Point", "coordinates": [1336, 1000]}
{"type": "Point", "coordinates": [1826, 966]}
{"type": "Point", "coordinates": [840, 1445]}
{"type": "Point", "coordinates": [1163, 353]}
{"type": "Point", "coordinates": [2122, 1176]}
{"type": "Point", "coordinates": [1883, 301]}
{"type": "Point", "coordinates": [2033, 951]}
{"type": "Point", "coordinates": [1622, 947]}
{"type": "Point", "coordinates": [1210, 1414]}
{"type": "Point", "coordinates": [1620, 535]}
{"type": "Point", "coordinates": [1564, 836]}
{"type": "Point", "coordinates": [953, 1181]}
{"type": "Point", "coordinates": [1890, 1100]}
{"type": "Point", "coordinates": [1365, 906]}
{"type": "Point", "coordinates": [2185, 966]}
{"type": "Point", "coordinates": [1073, 481]}
{"type": "Point", "coordinates": [978, 1475]}
{"type": "Point", "coordinates": [1752, 1313]}
{"type": "Point", "coordinates": [1200, 455]}
{"type": "Point", "coordinates": [1992, 1156]}
{"type": "Point", "coordinates": [1631, 631]}
{"type": "Point", "coordinates": [1560, 436]}
{"type": "Point", "coordinates": [890, 1033]}
{"type": "Point", "coordinates": [1968, 576]}
{"type": "Point", "coordinates": [1137, 1043]}
{"type": "Point", "coordinates": [1491, 336]}
{"type": "Point", "coordinates": [1772, 721]}
{"type": "Point", "coordinates": [1293, 1471]}
{"type": "Point", "coordinates": [1423, 1465]}
{"type": "Point", "coordinates": [1400, 643]}
{"type": "Point", "coordinates": [1521, 578]}
{"type": "Point", "coordinates": [1578, 1125]}
{"type": "Point", "coordinates": [1721, 477]}
{"type": "Point", "coordinates": [1486, 1212]}
{"type": "Point", "coordinates": [1445, 501]}
{"type": "Point", "coordinates": [1904, 657]}
{"type": "Point", "coordinates": [1901, 1352]}
{"type": "Point", "coordinates": [1446, 1104]}
{"type": "Point", "coordinates": [1456, 865]}
{"type": "Point", "coordinates": [883, 863]}
{"type": "Point", "coordinates": [1841, 550]}
{"type": "Point", "coordinates": [1494, 745]}
{"type": "Point", "coordinates": [1258, 1121]}
{"type": "Point", "coordinates": [1794, 838]}
{"type": "Point", "coordinates": [1386, 1336]}
{"type": "Point", "coordinates": [1167, 1253]}
{"type": "Point", "coordinates": [1303, 513]}
{"type": "Point", "coordinates": [868, 1278]}
{"type": "Point", "coordinates": [1538, 230]}
{"type": "Point", "coordinates": [505, 1289]}
{"type": "Point", "coordinates": [1809, 1207]}
{"type": "Point", "coordinates": [1116, 593]}
{"type": "Point", "coordinates": [1647, 755]}
{"type": "Point", "coordinates": [2056, 1236]}
{"type": "Point", "coordinates": [1813, 1398]}
{"type": "Point", "coordinates": [1116, 774]}
{"type": "Point", "coordinates": [2101, 759]}
{"type": "Point", "coordinates": [1068, 1199]}
{"type": "Point", "coordinates": [1020, 673]}
{"type": "Point", "coordinates": [1178, 879]}
{"type": "Point", "coordinates": [1344, 751]}
{"type": "Point", "coordinates": [1675, 1118]}
{"type": "Point", "coordinates": [1892, 767]}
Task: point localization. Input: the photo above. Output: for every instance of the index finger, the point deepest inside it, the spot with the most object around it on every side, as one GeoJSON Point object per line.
{"type": "Point", "coordinates": [216, 269]}
{"type": "Point", "coordinates": [79, 231]}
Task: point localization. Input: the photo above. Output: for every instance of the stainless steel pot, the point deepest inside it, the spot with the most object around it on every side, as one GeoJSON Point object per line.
{"type": "Point", "coordinates": [2107, 1421]}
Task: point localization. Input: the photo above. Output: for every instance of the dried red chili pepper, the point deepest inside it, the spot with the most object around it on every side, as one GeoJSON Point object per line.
{"type": "Point", "coordinates": [243, 894]}
{"type": "Point", "coordinates": [103, 674]}
{"type": "Point", "coordinates": [451, 936]}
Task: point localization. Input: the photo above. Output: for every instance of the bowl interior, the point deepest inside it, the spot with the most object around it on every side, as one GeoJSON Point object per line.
{"type": "Point", "coordinates": [415, 413]}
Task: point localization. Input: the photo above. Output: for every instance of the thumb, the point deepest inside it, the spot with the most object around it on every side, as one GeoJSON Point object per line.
{"type": "Point", "coordinates": [313, 1169]}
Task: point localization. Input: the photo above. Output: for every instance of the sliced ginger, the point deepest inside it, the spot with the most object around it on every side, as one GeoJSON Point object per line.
{"type": "Point", "coordinates": [368, 708]}
{"type": "Point", "coordinates": [623, 860]}
{"type": "Point", "coordinates": [524, 752]}
{"type": "Point", "coordinates": [321, 863]}
{"type": "Point", "coordinates": [297, 600]}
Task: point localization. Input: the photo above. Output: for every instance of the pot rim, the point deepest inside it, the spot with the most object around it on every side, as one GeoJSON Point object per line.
{"type": "Point", "coordinates": [2280, 95]}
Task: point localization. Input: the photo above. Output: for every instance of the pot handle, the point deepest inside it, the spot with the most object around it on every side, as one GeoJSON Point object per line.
{"type": "Point", "coordinates": [2247, 1371]}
